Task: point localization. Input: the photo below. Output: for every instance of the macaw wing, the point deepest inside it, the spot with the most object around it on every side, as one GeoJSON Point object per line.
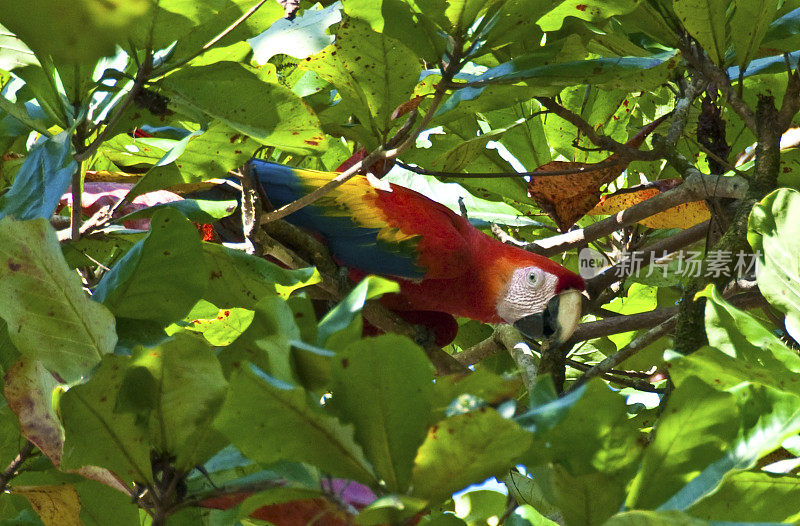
{"type": "Point", "coordinates": [395, 232]}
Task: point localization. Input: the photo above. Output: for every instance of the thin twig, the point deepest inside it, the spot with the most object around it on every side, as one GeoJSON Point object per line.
{"type": "Point", "coordinates": [12, 469]}
{"type": "Point", "coordinates": [500, 175]}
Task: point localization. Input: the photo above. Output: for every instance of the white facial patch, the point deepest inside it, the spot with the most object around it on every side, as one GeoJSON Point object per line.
{"type": "Point", "coordinates": [528, 292]}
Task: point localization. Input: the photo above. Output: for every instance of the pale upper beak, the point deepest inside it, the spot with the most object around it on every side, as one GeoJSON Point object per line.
{"type": "Point", "coordinates": [556, 322]}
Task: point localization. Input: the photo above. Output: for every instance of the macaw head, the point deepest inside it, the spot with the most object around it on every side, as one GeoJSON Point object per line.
{"type": "Point", "coordinates": [541, 298]}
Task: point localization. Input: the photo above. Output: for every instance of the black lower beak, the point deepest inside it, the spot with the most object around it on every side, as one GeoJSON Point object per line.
{"type": "Point", "coordinates": [542, 324]}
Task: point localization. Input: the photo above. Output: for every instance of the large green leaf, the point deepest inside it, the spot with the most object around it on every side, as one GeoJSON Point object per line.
{"type": "Point", "coordinates": [76, 31]}
{"type": "Point", "coordinates": [391, 412]}
{"type": "Point", "coordinates": [784, 33]}
{"type": "Point", "coordinates": [373, 73]}
{"type": "Point", "coordinates": [601, 436]}
{"type": "Point", "coordinates": [269, 420]}
{"type": "Point", "coordinates": [238, 279]}
{"type": "Point", "coordinates": [161, 277]}
{"type": "Point", "coordinates": [265, 111]}
{"type": "Point", "coordinates": [178, 386]}
{"type": "Point", "coordinates": [761, 497]}
{"type": "Point", "coordinates": [13, 52]}
{"type": "Point", "coordinates": [749, 24]}
{"type": "Point", "coordinates": [654, 518]}
{"type": "Point", "coordinates": [767, 418]}
{"type": "Point", "coordinates": [50, 317]}
{"type": "Point", "coordinates": [773, 234]}
{"type": "Point", "coordinates": [41, 180]}
{"type": "Point", "coordinates": [706, 20]}
{"type": "Point", "coordinates": [693, 431]}
{"type": "Point", "coordinates": [627, 73]}
{"type": "Point", "coordinates": [96, 434]}
{"type": "Point", "coordinates": [466, 449]}
{"type": "Point", "coordinates": [397, 19]}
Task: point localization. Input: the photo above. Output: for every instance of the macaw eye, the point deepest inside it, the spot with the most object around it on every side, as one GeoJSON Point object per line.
{"type": "Point", "coordinates": [533, 278]}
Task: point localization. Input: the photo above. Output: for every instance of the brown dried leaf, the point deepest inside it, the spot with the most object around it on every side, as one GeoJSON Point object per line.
{"type": "Point", "coordinates": [684, 216]}
{"type": "Point", "coordinates": [28, 391]}
{"type": "Point", "coordinates": [567, 198]}
{"type": "Point", "coordinates": [55, 505]}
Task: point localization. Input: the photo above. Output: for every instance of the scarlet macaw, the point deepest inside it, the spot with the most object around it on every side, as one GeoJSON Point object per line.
{"type": "Point", "coordinates": [441, 261]}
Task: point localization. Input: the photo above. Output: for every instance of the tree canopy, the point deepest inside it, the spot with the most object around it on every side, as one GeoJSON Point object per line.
{"type": "Point", "coordinates": [174, 352]}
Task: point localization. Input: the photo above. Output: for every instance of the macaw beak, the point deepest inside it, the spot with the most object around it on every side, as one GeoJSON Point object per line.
{"type": "Point", "coordinates": [557, 321]}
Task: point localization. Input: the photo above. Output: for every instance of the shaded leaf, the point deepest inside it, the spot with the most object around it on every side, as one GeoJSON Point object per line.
{"type": "Point", "coordinates": [269, 420]}
{"type": "Point", "coordinates": [653, 518]}
{"type": "Point", "coordinates": [464, 449]}
{"type": "Point", "coordinates": [178, 386]}
{"type": "Point", "coordinates": [50, 317]}
{"type": "Point", "coordinates": [749, 24]}
{"type": "Point", "coordinates": [589, 10]}
{"type": "Point", "coordinates": [159, 278]}
{"type": "Point", "coordinates": [391, 413]}
{"type": "Point", "coordinates": [762, 497]}
{"type": "Point", "coordinates": [96, 434]}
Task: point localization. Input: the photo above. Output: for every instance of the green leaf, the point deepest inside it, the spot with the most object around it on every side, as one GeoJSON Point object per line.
{"type": "Point", "coordinates": [269, 420]}
{"type": "Point", "coordinates": [706, 20]}
{"type": "Point", "coordinates": [74, 31]}
{"type": "Point", "coordinates": [347, 313]}
{"type": "Point", "coordinates": [267, 112]}
{"type": "Point", "coordinates": [653, 518]}
{"type": "Point", "coordinates": [220, 327]}
{"type": "Point", "coordinates": [197, 157]}
{"type": "Point", "coordinates": [762, 497]}
{"type": "Point", "coordinates": [626, 73]}
{"type": "Point", "coordinates": [391, 413]}
{"type": "Point", "coordinates": [466, 449]}
{"type": "Point", "coordinates": [266, 342]}
{"type": "Point", "coordinates": [178, 385]}
{"type": "Point", "coordinates": [397, 19]}
{"type": "Point", "coordinates": [772, 232]}
{"type": "Point", "coordinates": [589, 10]}
{"type": "Point", "coordinates": [41, 180]}
{"type": "Point", "coordinates": [749, 24]}
{"type": "Point", "coordinates": [50, 317]}
{"type": "Point", "coordinates": [373, 73]}
{"type": "Point", "coordinates": [768, 417]}
{"type": "Point", "coordinates": [590, 498]}
{"type": "Point", "coordinates": [517, 21]}
{"type": "Point", "coordinates": [97, 435]}
{"type": "Point", "coordinates": [159, 278]}
{"type": "Point", "coordinates": [602, 438]}
{"type": "Point", "coordinates": [238, 279]}
{"type": "Point", "coordinates": [783, 33]}
{"type": "Point", "coordinates": [693, 431]}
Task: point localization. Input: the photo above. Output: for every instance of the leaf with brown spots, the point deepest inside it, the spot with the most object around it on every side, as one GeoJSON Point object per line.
{"type": "Point", "coordinates": [682, 216]}
{"type": "Point", "coordinates": [28, 391]}
{"type": "Point", "coordinates": [567, 198]}
{"type": "Point", "coordinates": [50, 318]}
{"type": "Point", "coordinates": [55, 505]}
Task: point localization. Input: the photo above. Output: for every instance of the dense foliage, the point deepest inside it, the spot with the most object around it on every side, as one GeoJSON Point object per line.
{"type": "Point", "coordinates": [173, 358]}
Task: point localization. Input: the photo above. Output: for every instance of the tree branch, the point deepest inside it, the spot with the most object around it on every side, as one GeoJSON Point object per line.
{"type": "Point", "coordinates": [12, 469]}
{"type": "Point", "coordinates": [696, 187]}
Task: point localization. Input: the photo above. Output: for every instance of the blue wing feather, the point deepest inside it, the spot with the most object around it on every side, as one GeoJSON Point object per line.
{"type": "Point", "coordinates": [354, 244]}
